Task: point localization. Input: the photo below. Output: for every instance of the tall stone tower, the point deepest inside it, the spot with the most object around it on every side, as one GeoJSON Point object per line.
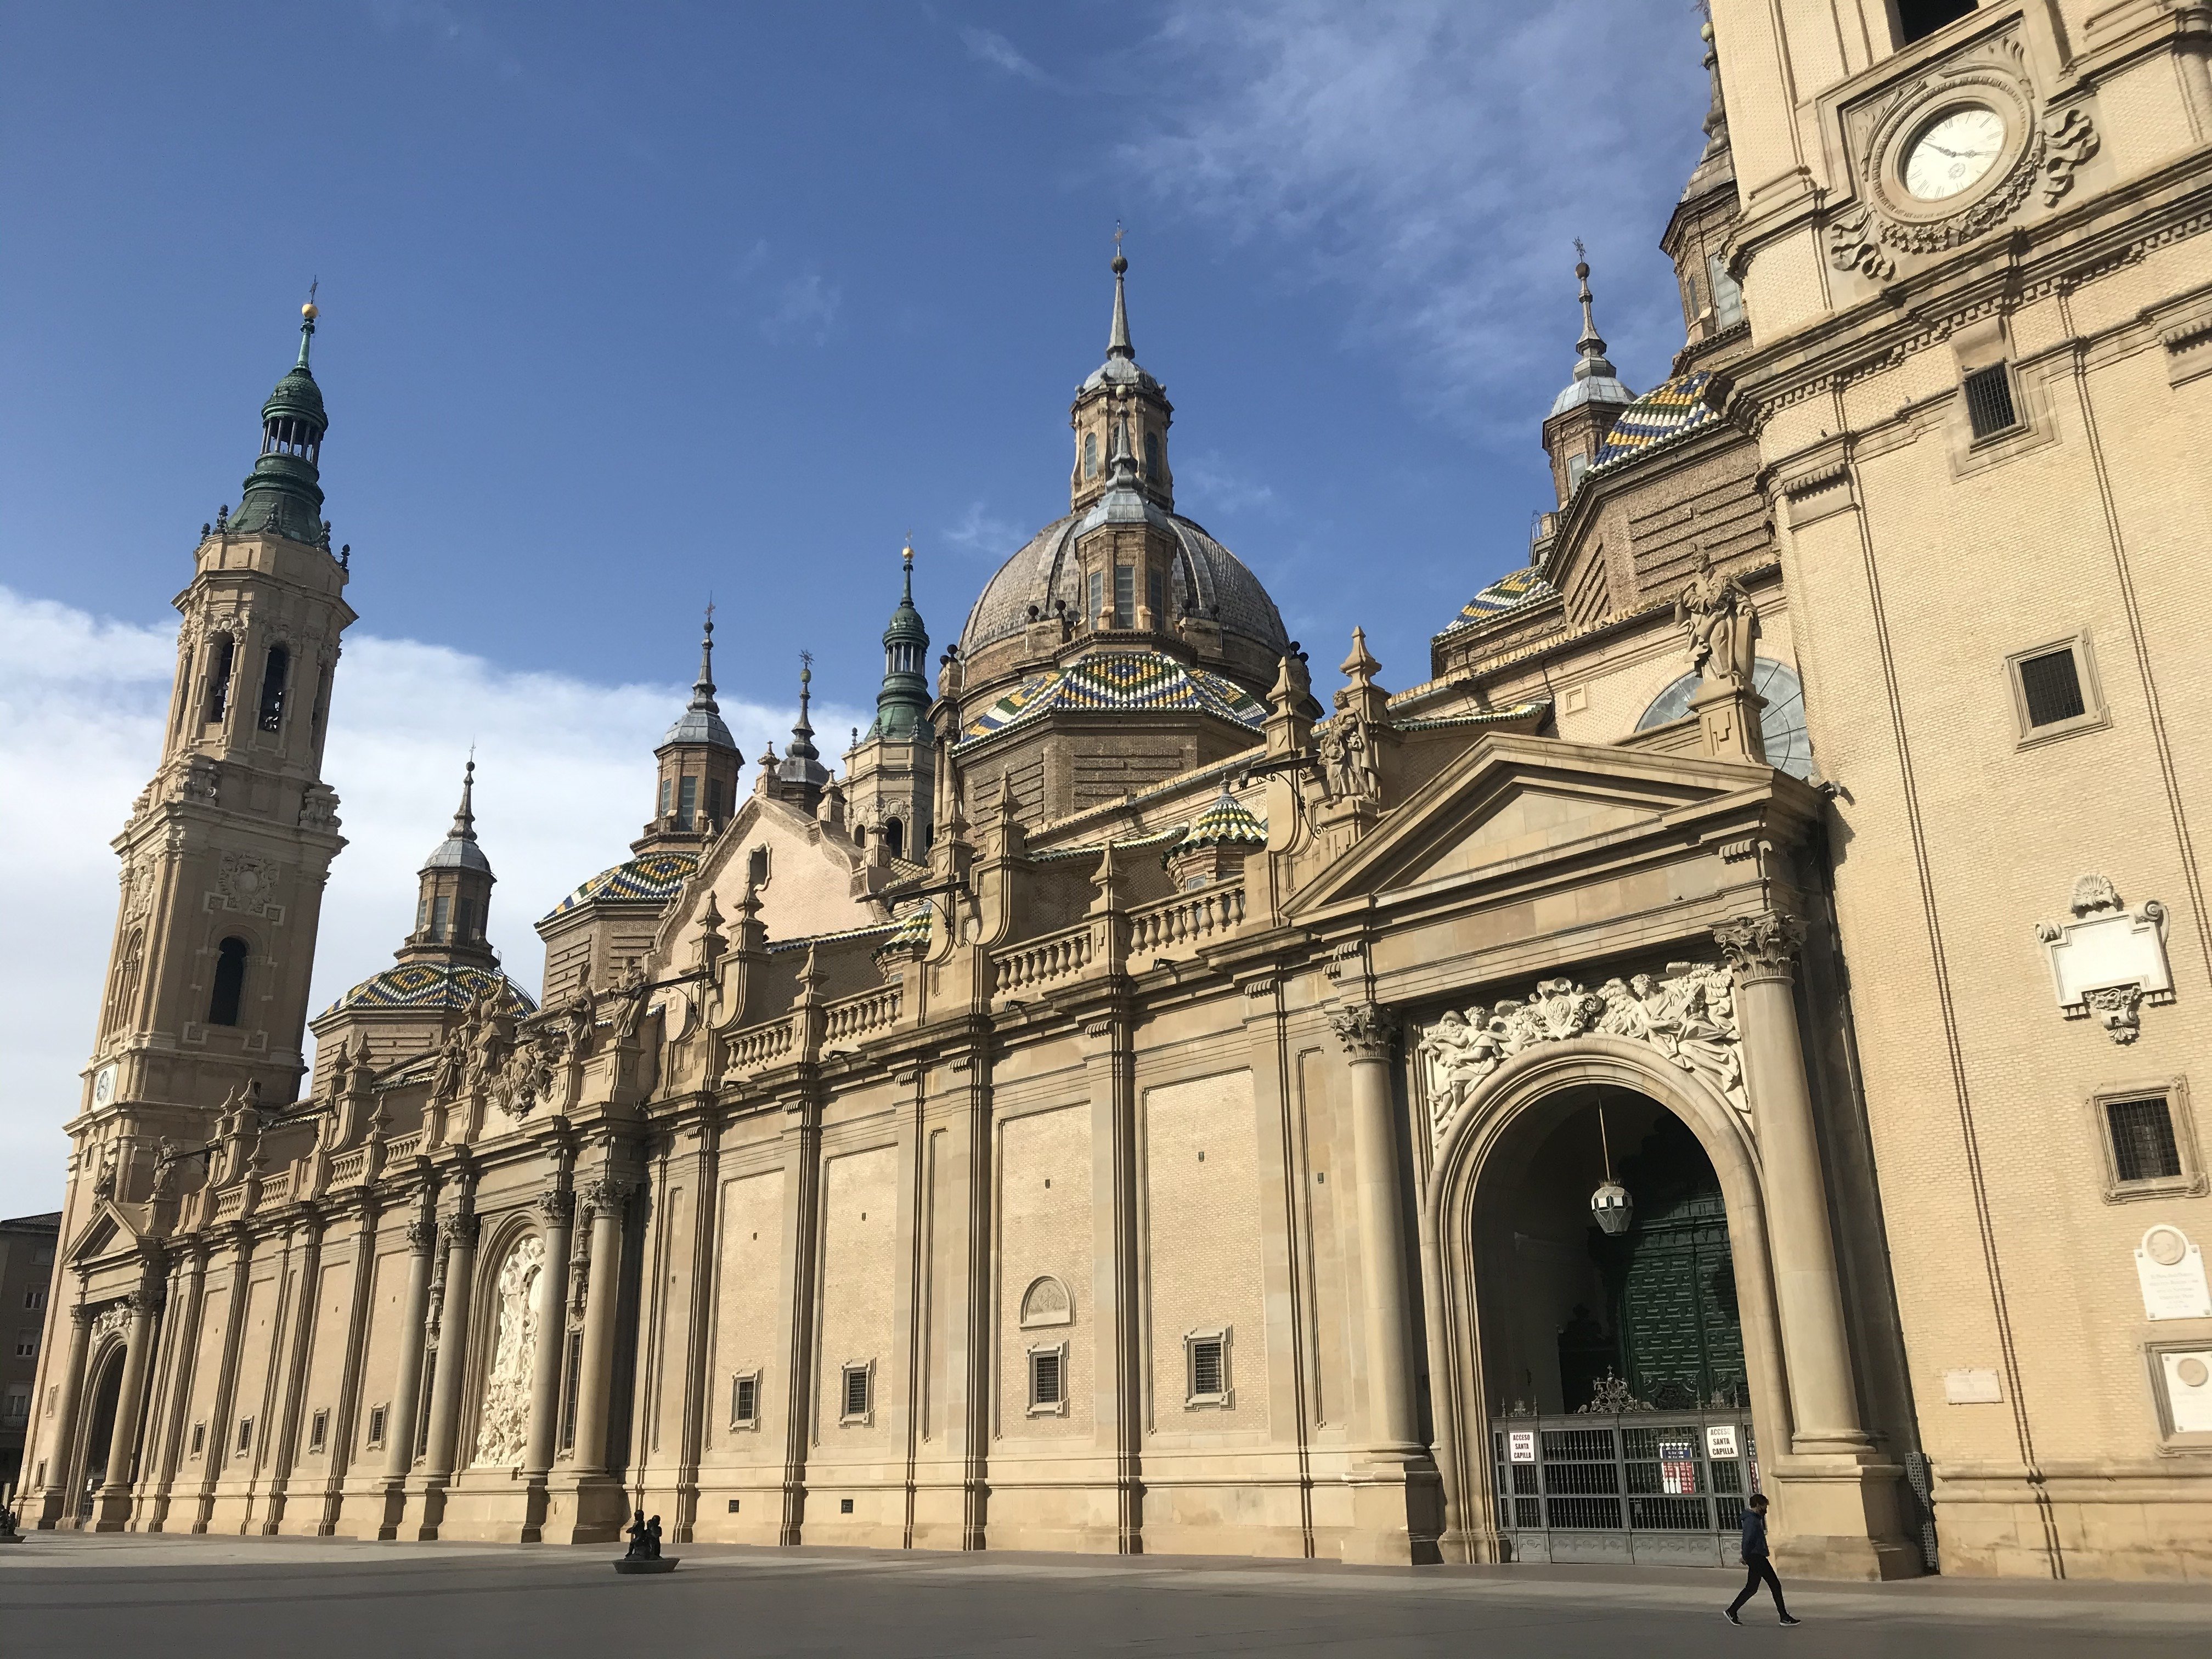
{"type": "Point", "coordinates": [227, 850]}
{"type": "Point", "coordinates": [890, 773]}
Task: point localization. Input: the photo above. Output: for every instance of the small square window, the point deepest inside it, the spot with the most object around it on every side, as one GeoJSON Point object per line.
{"type": "Point", "coordinates": [844, 1506]}
{"type": "Point", "coordinates": [199, 1438]}
{"type": "Point", "coordinates": [318, 1431]}
{"type": "Point", "coordinates": [1990, 407]}
{"type": "Point", "coordinates": [2054, 689]}
{"type": "Point", "coordinates": [744, 1401]}
{"type": "Point", "coordinates": [859, 1391]}
{"type": "Point", "coordinates": [378, 1416]}
{"type": "Point", "coordinates": [1049, 1381]}
{"type": "Point", "coordinates": [2149, 1143]}
{"type": "Point", "coordinates": [1206, 1358]}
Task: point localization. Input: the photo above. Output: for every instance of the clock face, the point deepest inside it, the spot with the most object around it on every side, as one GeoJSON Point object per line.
{"type": "Point", "coordinates": [1952, 154]}
{"type": "Point", "coordinates": [103, 1086]}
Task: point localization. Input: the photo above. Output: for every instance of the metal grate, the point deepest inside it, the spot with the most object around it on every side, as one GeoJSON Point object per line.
{"type": "Point", "coordinates": [1988, 401]}
{"type": "Point", "coordinates": [2052, 685]}
{"type": "Point", "coordinates": [1671, 1485]}
{"type": "Point", "coordinates": [2143, 1146]}
{"type": "Point", "coordinates": [856, 1391]}
{"type": "Point", "coordinates": [744, 1399]}
{"type": "Point", "coordinates": [1206, 1367]}
{"type": "Point", "coordinates": [1044, 1378]}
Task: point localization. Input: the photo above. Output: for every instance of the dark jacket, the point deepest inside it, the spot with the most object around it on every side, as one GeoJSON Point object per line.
{"type": "Point", "coordinates": [1754, 1534]}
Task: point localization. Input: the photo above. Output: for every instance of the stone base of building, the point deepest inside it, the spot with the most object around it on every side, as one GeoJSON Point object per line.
{"type": "Point", "coordinates": [2122, 1523]}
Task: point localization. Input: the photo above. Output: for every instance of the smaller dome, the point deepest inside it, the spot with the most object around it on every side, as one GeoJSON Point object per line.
{"type": "Point", "coordinates": [297, 395]}
{"type": "Point", "coordinates": [1227, 821]}
{"type": "Point", "coordinates": [654, 880]}
{"type": "Point", "coordinates": [1667, 412]}
{"type": "Point", "coordinates": [697, 724]}
{"type": "Point", "coordinates": [458, 853]}
{"type": "Point", "coordinates": [1113, 681]}
{"type": "Point", "coordinates": [433, 987]}
{"type": "Point", "coordinates": [1508, 592]}
{"type": "Point", "coordinates": [1593, 389]}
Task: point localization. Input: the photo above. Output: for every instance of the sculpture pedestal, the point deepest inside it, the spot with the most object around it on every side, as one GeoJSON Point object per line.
{"type": "Point", "coordinates": [660, 1563]}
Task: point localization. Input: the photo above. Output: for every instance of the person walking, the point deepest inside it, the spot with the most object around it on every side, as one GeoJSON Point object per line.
{"type": "Point", "coordinates": [1756, 1564]}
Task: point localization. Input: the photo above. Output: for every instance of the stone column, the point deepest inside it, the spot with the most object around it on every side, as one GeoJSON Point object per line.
{"type": "Point", "coordinates": [400, 1425]}
{"type": "Point", "coordinates": [556, 1206]}
{"type": "Point", "coordinates": [113, 1507]}
{"type": "Point", "coordinates": [61, 1439]}
{"type": "Point", "coordinates": [601, 1292]}
{"type": "Point", "coordinates": [1368, 1034]}
{"type": "Point", "coordinates": [1762, 949]}
{"type": "Point", "coordinates": [453, 1346]}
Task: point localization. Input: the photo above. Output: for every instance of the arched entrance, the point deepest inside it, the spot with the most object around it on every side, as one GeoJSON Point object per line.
{"type": "Point", "coordinates": [1596, 1388]}
{"type": "Point", "coordinates": [100, 1430]}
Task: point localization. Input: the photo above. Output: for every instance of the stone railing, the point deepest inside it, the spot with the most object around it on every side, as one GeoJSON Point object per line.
{"type": "Point", "coordinates": [763, 1045]}
{"type": "Point", "coordinates": [1187, 918]}
{"type": "Point", "coordinates": [1056, 956]}
{"type": "Point", "coordinates": [230, 1201]}
{"type": "Point", "coordinates": [401, 1146]}
{"type": "Point", "coordinates": [857, 1017]}
{"type": "Point", "coordinates": [347, 1168]}
{"type": "Point", "coordinates": [275, 1190]}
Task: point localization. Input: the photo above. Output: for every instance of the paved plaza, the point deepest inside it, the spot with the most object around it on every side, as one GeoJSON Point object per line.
{"type": "Point", "coordinates": [242, 1598]}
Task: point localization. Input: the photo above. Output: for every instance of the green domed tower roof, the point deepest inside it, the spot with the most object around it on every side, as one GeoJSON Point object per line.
{"type": "Point", "coordinates": [284, 492]}
{"type": "Point", "coordinates": [904, 699]}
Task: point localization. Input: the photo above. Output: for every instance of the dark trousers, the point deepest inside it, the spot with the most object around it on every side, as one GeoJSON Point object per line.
{"type": "Point", "coordinates": [1755, 1569]}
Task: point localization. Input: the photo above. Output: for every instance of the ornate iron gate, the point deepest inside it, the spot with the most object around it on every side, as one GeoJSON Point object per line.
{"type": "Point", "coordinates": [1653, 1486]}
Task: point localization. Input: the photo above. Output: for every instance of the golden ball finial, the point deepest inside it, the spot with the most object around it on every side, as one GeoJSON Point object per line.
{"type": "Point", "coordinates": [1704, 32]}
{"type": "Point", "coordinates": [309, 311]}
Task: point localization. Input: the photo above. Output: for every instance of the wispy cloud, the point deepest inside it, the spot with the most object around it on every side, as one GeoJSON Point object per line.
{"type": "Point", "coordinates": [806, 308]}
{"type": "Point", "coordinates": [1209, 483]}
{"type": "Point", "coordinates": [564, 780]}
{"type": "Point", "coordinates": [1437, 160]}
{"type": "Point", "coordinates": [987, 46]}
{"type": "Point", "coordinates": [978, 529]}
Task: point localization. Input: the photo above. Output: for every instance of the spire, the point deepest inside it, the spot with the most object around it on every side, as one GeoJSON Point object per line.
{"type": "Point", "coordinates": [802, 733]}
{"type": "Point", "coordinates": [459, 851]}
{"type": "Point", "coordinates": [701, 718]}
{"type": "Point", "coordinates": [464, 816]}
{"type": "Point", "coordinates": [455, 900]}
{"type": "Point", "coordinates": [1590, 347]}
{"type": "Point", "coordinates": [904, 698]}
{"type": "Point", "coordinates": [703, 689]}
{"type": "Point", "coordinates": [283, 493]}
{"type": "Point", "coordinates": [1117, 344]}
{"type": "Point", "coordinates": [801, 777]}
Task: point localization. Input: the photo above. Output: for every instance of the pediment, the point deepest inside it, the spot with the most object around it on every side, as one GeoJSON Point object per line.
{"type": "Point", "coordinates": [1513, 799]}
{"type": "Point", "coordinates": [108, 1231]}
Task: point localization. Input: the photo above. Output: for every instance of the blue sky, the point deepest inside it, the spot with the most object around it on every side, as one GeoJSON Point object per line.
{"type": "Point", "coordinates": [623, 305]}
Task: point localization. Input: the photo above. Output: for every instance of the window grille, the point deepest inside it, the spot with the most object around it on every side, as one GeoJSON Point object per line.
{"type": "Point", "coordinates": [1208, 1358]}
{"type": "Point", "coordinates": [1988, 401]}
{"type": "Point", "coordinates": [687, 802]}
{"type": "Point", "coordinates": [744, 1399]}
{"type": "Point", "coordinates": [1727, 297]}
{"type": "Point", "coordinates": [1153, 598]}
{"type": "Point", "coordinates": [245, 1434]}
{"type": "Point", "coordinates": [377, 1416]}
{"type": "Point", "coordinates": [1152, 455]}
{"type": "Point", "coordinates": [1097, 598]}
{"type": "Point", "coordinates": [318, 1431]}
{"type": "Point", "coordinates": [441, 917]}
{"type": "Point", "coordinates": [2144, 1144]}
{"type": "Point", "coordinates": [1045, 1380]}
{"type": "Point", "coordinates": [573, 1365]}
{"type": "Point", "coordinates": [2052, 683]}
{"type": "Point", "coordinates": [199, 1438]}
{"type": "Point", "coordinates": [857, 1380]}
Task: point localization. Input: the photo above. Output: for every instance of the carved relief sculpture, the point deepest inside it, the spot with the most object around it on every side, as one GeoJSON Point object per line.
{"type": "Point", "coordinates": [2108, 961]}
{"type": "Point", "coordinates": [503, 1425]}
{"type": "Point", "coordinates": [1717, 616]}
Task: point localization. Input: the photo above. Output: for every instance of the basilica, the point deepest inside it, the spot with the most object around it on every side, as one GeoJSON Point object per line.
{"type": "Point", "coordinates": [1723, 1024]}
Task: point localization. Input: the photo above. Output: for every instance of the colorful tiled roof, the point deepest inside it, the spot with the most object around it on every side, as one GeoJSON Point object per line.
{"type": "Point", "coordinates": [654, 880]}
{"type": "Point", "coordinates": [1227, 820]}
{"type": "Point", "coordinates": [1660, 416]}
{"type": "Point", "coordinates": [1506, 593]}
{"type": "Point", "coordinates": [1119, 681]}
{"type": "Point", "coordinates": [913, 929]}
{"type": "Point", "coordinates": [432, 987]}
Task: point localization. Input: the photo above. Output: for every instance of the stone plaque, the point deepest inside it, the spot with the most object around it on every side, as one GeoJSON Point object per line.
{"type": "Point", "coordinates": [2171, 1272]}
{"type": "Point", "coordinates": [1975, 1385]}
{"type": "Point", "coordinates": [2189, 1390]}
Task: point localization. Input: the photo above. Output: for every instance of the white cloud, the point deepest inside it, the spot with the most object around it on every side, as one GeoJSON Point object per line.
{"type": "Point", "coordinates": [1437, 160]}
{"type": "Point", "coordinates": [980, 530]}
{"type": "Point", "coordinates": [564, 780]}
{"type": "Point", "coordinates": [1209, 483]}
{"type": "Point", "coordinates": [987, 46]}
{"type": "Point", "coordinates": [806, 307]}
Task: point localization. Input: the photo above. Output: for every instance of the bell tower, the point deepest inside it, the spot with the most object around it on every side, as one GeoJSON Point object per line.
{"type": "Point", "coordinates": [890, 771]}
{"type": "Point", "coordinates": [225, 851]}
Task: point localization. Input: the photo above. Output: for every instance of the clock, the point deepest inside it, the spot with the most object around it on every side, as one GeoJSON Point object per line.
{"type": "Point", "coordinates": [103, 1084]}
{"type": "Point", "coordinates": [1954, 153]}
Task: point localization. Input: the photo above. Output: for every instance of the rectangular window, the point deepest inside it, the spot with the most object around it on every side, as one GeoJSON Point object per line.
{"type": "Point", "coordinates": [744, 1401]}
{"type": "Point", "coordinates": [318, 1431]}
{"type": "Point", "coordinates": [1097, 599]}
{"type": "Point", "coordinates": [1206, 1353]}
{"type": "Point", "coordinates": [2143, 1148]}
{"type": "Point", "coordinates": [687, 802]}
{"type": "Point", "coordinates": [1988, 401]}
{"type": "Point", "coordinates": [668, 789]}
{"type": "Point", "coordinates": [35, 1298]}
{"type": "Point", "coordinates": [2149, 1143]}
{"type": "Point", "coordinates": [1125, 596]}
{"type": "Point", "coordinates": [714, 799]}
{"type": "Point", "coordinates": [1916, 19]}
{"type": "Point", "coordinates": [26, 1344]}
{"type": "Point", "coordinates": [1727, 297]}
{"type": "Point", "coordinates": [1153, 598]}
{"type": "Point", "coordinates": [17, 1411]}
{"type": "Point", "coordinates": [378, 1417]}
{"type": "Point", "coordinates": [441, 917]}
{"type": "Point", "coordinates": [573, 1369]}
{"type": "Point", "coordinates": [199, 1438]}
{"type": "Point", "coordinates": [858, 1378]}
{"type": "Point", "coordinates": [245, 1434]}
{"type": "Point", "coordinates": [1047, 1382]}
{"type": "Point", "coordinates": [2052, 683]}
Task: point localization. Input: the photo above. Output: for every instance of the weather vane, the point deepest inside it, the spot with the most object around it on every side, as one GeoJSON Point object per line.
{"type": "Point", "coordinates": [1579, 253]}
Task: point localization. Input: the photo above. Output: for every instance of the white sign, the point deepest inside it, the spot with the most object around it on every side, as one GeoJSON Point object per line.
{"type": "Point", "coordinates": [2171, 1272]}
{"type": "Point", "coordinates": [2189, 1390]}
{"type": "Point", "coordinates": [1720, 1441]}
{"type": "Point", "coordinates": [1520, 1445]}
{"type": "Point", "coordinates": [1973, 1386]}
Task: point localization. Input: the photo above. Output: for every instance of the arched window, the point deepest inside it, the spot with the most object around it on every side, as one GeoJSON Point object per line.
{"type": "Point", "coordinates": [229, 982]}
{"type": "Point", "coordinates": [276, 675]}
{"type": "Point", "coordinates": [756, 867]}
{"type": "Point", "coordinates": [895, 837]}
{"type": "Point", "coordinates": [1152, 455]}
{"type": "Point", "coordinates": [219, 665]}
{"type": "Point", "coordinates": [1090, 454]}
{"type": "Point", "coordinates": [1781, 723]}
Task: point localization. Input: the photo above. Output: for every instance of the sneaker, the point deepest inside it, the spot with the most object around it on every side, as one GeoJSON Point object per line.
{"type": "Point", "coordinates": [1787, 1619]}
{"type": "Point", "coordinates": [1729, 1614]}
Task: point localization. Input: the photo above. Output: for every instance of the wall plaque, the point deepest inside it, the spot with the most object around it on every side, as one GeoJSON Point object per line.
{"type": "Point", "coordinates": [2170, 1269]}
{"type": "Point", "coordinates": [1974, 1385]}
{"type": "Point", "coordinates": [2189, 1390]}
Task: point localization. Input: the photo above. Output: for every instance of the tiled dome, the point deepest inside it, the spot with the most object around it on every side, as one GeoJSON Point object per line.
{"type": "Point", "coordinates": [654, 879]}
{"type": "Point", "coordinates": [432, 987]}
{"type": "Point", "coordinates": [1107, 682]}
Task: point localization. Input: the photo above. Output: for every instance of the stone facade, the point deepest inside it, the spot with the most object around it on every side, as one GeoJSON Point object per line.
{"type": "Point", "coordinates": [1191, 1126]}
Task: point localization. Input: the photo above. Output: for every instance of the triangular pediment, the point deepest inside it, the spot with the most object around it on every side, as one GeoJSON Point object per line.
{"type": "Point", "coordinates": [1513, 800]}
{"type": "Point", "coordinates": [108, 1231]}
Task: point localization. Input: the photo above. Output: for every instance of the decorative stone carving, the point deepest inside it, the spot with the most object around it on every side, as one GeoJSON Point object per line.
{"type": "Point", "coordinates": [249, 883]}
{"type": "Point", "coordinates": [110, 1321]}
{"type": "Point", "coordinates": [421, 1236]}
{"type": "Point", "coordinates": [1767, 943]}
{"type": "Point", "coordinates": [557, 1206]}
{"type": "Point", "coordinates": [2108, 961]}
{"type": "Point", "coordinates": [1855, 244]}
{"type": "Point", "coordinates": [605, 1193]}
{"type": "Point", "coordinates": [1689, 1017]}
{"type": "Point", "coordinates": [2069, 140]}
{"type": "Point", "coordinates": [461, 1230]}
{"type": "Point", "coordinates": [503, 1425]}
{"type": "Point", "coordinates": [1720, 621]}
{"type": "Point", "coordinates": [1366, 1032]}
{"type": "Point", "coordinates": [1347, 760]}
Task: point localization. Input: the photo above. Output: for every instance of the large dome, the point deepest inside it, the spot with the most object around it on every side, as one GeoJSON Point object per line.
{"type": "Point", "coordinates": [1210, 580]}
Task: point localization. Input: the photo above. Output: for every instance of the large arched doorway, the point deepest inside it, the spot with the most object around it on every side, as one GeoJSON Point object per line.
{"type": "Point", "coordinates": [1595, 1384]}
{"type": "Point", "coordinates": [100, 1431]}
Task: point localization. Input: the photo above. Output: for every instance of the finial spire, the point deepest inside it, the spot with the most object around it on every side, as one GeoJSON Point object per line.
{"type": "Point", "coordinates": [703, 689]}
{"type": "Point", "coordinates": [1590, 347]}
{"type": "Point", "coordinates": [464, 815]}
{"type": "Point", "coordinates": [308, 312]}
{"type": "Point", "coordinates": [802, 734]}
{"type": "Point", "coordinates": [1118, 344]}
{"type": "Point", "coordinates": [906, 558]}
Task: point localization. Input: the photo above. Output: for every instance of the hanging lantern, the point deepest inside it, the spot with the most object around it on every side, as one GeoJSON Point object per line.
{"type": "Point", "coordinates": [1611, 1207]}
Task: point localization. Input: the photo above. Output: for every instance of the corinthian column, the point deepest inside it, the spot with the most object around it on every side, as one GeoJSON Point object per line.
{"type": "Point", "coordinates": [453, 1346]}
{"type": "Point", "coordinates": [600, 1294]}
{"type": "Point", "coordinates": [1368, 1034]}
{"type": "Point", "coordinates": [63, 1436]}
{"type": "Point", "coordinates": [400, 1426]}
{"type": "Point", "coordinates": [114, 1505]}
{"type": "Point", "coordinates": [557, 1206]}
{"type": "Point", "coordinates": [1762, 949]}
